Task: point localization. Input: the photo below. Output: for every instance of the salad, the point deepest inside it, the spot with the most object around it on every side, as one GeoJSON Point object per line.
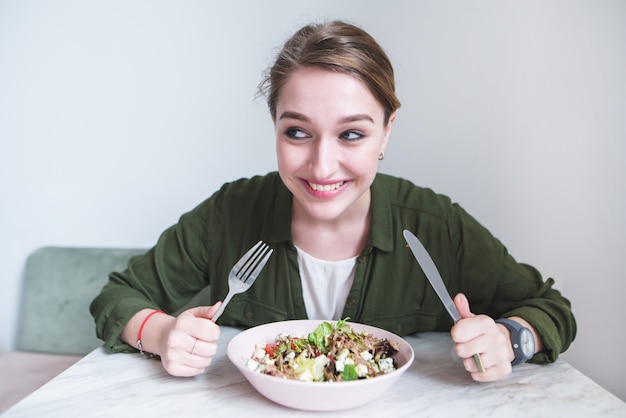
{"type": "Point", "coordinates": [331, 353]}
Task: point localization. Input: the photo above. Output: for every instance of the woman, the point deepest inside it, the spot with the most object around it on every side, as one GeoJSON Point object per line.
{"type": "Point", "coordinates": [336, 229]}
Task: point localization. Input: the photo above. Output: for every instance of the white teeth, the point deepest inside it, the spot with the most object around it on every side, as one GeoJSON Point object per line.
{"type": "Point", "coordinates": [325, 187]}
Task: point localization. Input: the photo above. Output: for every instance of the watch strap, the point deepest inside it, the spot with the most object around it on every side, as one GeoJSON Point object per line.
{"type": "Point", "coordinates": [515, 328]}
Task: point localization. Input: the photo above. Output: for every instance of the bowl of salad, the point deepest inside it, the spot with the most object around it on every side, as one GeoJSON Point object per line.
{"type": "Point", "coordinates": [320, 365]}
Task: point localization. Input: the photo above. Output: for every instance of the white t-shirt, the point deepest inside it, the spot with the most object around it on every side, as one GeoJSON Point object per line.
{"type": "Point", "coordinates": [325, 285]}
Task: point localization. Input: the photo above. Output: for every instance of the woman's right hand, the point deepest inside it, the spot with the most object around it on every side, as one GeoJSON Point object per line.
{"type": "Point", "coordinates": [189, 342]}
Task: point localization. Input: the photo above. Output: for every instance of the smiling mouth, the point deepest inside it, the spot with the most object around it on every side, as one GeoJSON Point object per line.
{"type": "Point", "coordinates": [326, 187]}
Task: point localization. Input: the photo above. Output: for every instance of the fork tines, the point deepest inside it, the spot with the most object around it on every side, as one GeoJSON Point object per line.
{"type": "Point", "coordinates": [251, 264]}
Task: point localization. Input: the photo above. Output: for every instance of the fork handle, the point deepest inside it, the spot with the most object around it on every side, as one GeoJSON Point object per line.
{"type": "Point", "coordinates": [220, 310]}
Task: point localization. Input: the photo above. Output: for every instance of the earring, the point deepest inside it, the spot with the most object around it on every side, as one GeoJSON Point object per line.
{"type": "Point", "coordinates": [381, 156]}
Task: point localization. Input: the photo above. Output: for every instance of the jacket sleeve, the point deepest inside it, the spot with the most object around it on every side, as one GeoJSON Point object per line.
{"type": "Point", "coordinates": [499, 286]}
{"type": "Point", "coordinates": [166, 278]}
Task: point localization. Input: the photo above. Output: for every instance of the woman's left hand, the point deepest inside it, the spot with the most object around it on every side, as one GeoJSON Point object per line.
{"type": "Point", "coordinates": [480, 334]}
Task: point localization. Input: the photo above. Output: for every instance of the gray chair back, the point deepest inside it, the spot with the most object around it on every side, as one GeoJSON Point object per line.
{"type": "Point", "coordinates": [58, 286]}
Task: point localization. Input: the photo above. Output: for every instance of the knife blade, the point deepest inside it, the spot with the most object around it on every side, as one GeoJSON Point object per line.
{"type": "Point", "coordinates": [429, 268]}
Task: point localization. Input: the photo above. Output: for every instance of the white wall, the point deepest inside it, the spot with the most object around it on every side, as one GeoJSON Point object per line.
{"type": "Point", "coordinates": [118, 116]}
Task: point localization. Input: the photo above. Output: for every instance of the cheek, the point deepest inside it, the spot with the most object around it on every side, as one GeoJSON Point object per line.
{"type": "Point", "coordinates": [284, 157]}
{"type": "Point", "coordinates": [366, 165]}
{"type": "Point", "coordinates": [367, 158]}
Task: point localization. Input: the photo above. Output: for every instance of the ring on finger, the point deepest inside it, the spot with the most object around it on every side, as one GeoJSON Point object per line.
{"type": "Point", "coordinates": [193, 349]}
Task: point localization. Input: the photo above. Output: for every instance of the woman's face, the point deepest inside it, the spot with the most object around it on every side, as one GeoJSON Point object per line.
{"type": "Point", "coordinates": [329, 134]}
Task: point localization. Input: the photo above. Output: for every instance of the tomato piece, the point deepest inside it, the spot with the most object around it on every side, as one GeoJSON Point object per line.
{"type": "Point", "coordinates": [293, 346]}
{"type": "Point", "coordinates": [270, 349]}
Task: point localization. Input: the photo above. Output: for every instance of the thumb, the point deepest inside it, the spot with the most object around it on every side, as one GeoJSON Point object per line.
{"type": "Point", "coordinates": [204, 311]}
{"type": "Point", "coordinates": [462, 304]}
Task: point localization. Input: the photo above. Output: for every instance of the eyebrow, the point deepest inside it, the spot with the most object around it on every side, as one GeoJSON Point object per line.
{"type": "Point", "coordinates": [352, 118]}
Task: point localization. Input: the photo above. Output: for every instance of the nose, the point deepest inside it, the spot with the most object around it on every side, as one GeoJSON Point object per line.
{"type": "Point", "coordinates": [323, 158]}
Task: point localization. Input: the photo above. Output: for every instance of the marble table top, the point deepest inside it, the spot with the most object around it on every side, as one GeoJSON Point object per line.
{"type": "Point", "coordinates": [436, 385]}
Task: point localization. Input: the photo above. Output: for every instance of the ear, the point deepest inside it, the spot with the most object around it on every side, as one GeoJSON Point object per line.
{"type": "Point", "coordinates": [387, 131]}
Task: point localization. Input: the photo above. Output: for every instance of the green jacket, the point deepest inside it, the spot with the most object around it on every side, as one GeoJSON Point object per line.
{"type": "Point", "coordinates": [389, 291]}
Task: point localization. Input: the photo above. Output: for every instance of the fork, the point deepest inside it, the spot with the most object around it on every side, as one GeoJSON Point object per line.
{"type": "Point", "coordinates": [244, 273]}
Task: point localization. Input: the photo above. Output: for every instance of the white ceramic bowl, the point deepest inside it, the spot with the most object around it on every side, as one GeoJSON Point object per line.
{"type": "Point", "coordinates": [314, 396]}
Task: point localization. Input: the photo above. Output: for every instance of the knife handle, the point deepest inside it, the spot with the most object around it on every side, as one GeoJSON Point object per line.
{"type": "Point", "coordinates": [479, 363]}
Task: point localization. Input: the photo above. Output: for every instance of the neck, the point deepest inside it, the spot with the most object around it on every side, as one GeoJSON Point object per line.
{"type": "Point", "coordinates": [332, 239]}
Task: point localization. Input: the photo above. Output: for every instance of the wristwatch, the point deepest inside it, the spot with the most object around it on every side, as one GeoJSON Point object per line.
{"type": "Point", "coordinates": [522, 340]}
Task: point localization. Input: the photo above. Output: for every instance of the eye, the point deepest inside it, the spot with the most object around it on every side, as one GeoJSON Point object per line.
{"type": "Point", "coordinates": [352, 135]}
{"type": "Point", "coordinates": [296, 133]}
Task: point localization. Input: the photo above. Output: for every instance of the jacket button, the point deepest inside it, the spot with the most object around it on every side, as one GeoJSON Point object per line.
{"type": "Point", "coordinates": [399, 328]}
{"type": "Point", "coordinates": [351, 302]}
{"type": "Point", "coordinates": [361, 258]}
{"type": "Point", "coordinates": [249, 314]}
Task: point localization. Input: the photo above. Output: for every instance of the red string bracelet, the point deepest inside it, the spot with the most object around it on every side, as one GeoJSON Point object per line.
{"type": "Point", "coordinates": [143, 324]}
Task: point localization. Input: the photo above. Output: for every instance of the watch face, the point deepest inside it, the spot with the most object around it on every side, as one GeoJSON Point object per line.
{"type": "Point", "coordinates": [527, 342]}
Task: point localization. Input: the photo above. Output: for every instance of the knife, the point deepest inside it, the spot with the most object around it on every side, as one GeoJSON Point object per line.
{"type": "Point", "coordinates": [432, 274]}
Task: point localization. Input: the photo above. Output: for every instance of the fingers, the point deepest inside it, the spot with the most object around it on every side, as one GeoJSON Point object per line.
{"type": "Point", "coordinates": [205, 311]}
{"type": "Point", "coordinates": [462, 304]}
{"type": "Point", "coordinates": [480, 334]}
{"type": "Point", "coordinates": [493, 370]}
{"type": "Point", "coordinates": [471, 328]}
{"type": "Point", "coordinates": [199, 332]}
{"type": "Point", "coordinates": [191, 342]}
{"type": "Point", "coordinates": [190, 368]}
{"type": "Point", "coordinates": [213, 309]}
{"type": "Point", "coordinates": [187, 355]}
{"type": "Point", "coordinates": [197, 323]}
{"type": "Point", "coordinates": [203, 349]}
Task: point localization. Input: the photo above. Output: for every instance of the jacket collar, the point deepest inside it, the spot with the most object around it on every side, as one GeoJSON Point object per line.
{"type": "Point", "coordinates": [281, 221]}
{"type": "Point", "coordinates": [381, 225]}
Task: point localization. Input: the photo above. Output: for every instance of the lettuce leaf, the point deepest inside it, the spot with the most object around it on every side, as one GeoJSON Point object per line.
{"type": "Point", "coordinates": [318, 337]}
{"type": "Point", "coordinates": [349, 373]}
